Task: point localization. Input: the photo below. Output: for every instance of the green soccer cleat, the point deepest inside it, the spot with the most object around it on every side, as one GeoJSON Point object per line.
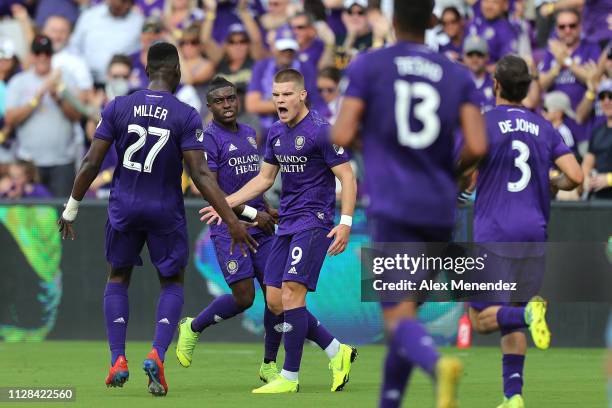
{"type": "Point", "coordinates": [280, 385]}
{"type": "Point", "coordinates": [187, 341]}
{"type": "Point", "coordinates": [516, 401]}
{"type": "Point", "coordinates": [268, 372]}
{"type": "Point", "coordinates": [535, 317]}
{"type": "Point", "coordinates": [448, 372]}
{"type": "Point", "coordinates": [340, 366]}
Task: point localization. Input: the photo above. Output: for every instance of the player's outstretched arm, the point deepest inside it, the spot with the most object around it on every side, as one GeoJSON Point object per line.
{"type": "Point", "coordinates": [86, 175]}
{"type": "Point", "coordinates": [255, 187]}
{"type": "Point", "coordinates": [474, 135]}
{"type": "Point", "coordinates": [208, 187]}
{"type": "Point", "coordinates": [342, 231]}
{"type": "Point", "coordinates": [571, 176]}
{"type": "Point", "coordinates": [347, 124]}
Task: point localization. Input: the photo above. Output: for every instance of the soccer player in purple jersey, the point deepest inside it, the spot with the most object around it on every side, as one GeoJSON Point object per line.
{"type": "Point", "coordinates": [153, 133]}
{"type": "Point", "coordinates": [409, 101]}
{"type": "Point", "coordinates": [513, 205]}
{"type": "Point", "coordinates": [231, 151]}
{"type": "Point", "coordinates": [299, 146]}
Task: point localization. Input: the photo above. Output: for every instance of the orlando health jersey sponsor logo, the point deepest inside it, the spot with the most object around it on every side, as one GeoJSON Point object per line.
{"type": "Point", "coordinates": [245, 164]}
{"type": "Point", "coordinates": [291, 163]}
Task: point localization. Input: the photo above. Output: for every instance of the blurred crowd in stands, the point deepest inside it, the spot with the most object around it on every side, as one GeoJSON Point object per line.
{"type": "Point", "coordinates": [61, 61]}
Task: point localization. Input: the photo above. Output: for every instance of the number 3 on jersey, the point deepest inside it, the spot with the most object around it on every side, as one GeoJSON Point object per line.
{"type": "Point", "coordinates": [163, 134]}
{"type": "Point", "coordinates": [521, 163]}
{"type": "Point", "coordinates": [425, 111]}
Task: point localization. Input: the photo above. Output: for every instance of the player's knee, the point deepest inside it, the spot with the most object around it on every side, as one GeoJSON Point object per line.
{"type": "Point", "coordinates": [292, 296]}
{"type": "Point", "coordinates": [120, 275]}
{"type": "Point", "coordinates": [244, 300]}
{"type": "Point", "coordinates": [275, 307]}
{"type": "Point", "coordinates": [485, 324]}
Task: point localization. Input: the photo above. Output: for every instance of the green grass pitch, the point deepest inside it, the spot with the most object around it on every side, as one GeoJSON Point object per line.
{"type": "Point", "coordinates": [223, 375]}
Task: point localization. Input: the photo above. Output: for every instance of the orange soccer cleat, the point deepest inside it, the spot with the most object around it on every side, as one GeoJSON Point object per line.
{"type": "Point", "coordinates": [118, 373]}
{"type": "Point", "coordinates": [154, 368]}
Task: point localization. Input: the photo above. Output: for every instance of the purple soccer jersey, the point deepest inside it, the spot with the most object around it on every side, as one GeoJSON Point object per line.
{"type": "Point", "coordinates": [500, 35]}
{"type": "Point", "coordinates": [234, 157]}
{"type": "Point", "coordinates": [305, 156]}
{"type": "Point", "coordinates": [566, 81]}
{"type": "Point", "coordinates": [513, 194]}
{"type": "Point", "coordinates": [412, 99]}
{"type": "Point", "coordinates": [150, 129]}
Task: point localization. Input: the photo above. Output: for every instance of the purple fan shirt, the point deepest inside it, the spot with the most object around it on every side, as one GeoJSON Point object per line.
{"type": "Point", "coordinates": [305, 156]}
{"type": "Point", "coordinates": [513, 200]}
{"type": "Point", "coordinates": [233, 156]}
{"type": "Point", "coordinates": [566, 81]}
{"type": "Point", "coordinates": [150, 129]}
{"type": "Point", "coordinates": [486, 95]}
{"type": "Point", "coordinates": [313, 53]}
{"type": "Point", "coordinates": [597, 20]}
{"type": "Point", "coordinates": [412, 98]}
{"type": "Point", "coordinates": [138, 77]}
{"type": "Point", "coordinates": [500, 35]}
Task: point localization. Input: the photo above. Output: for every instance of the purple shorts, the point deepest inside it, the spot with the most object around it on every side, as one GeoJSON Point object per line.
{"type": "Point", "coordinates": [527, 272]}
{"type": "Point", "coordinates": [169, 253]}
{"type": "Point", "coordinates": [236, 267]}
{"type": "Point", "coordinates": [385, 230]}
{"type": "Point", "coordinates": [297, 258]}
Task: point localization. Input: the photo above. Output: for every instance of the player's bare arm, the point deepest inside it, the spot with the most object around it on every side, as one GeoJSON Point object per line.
{"type": "Point", "coordinates": [342, 231]}
{"type": "Point", "coordinates": [86, 175]}
{"type": "Point", "coordinates": [257, 186]}
{"type": "Point", "coordinates": [346, 127]}
{"type": "Point", "coordinates": [208, 187]}
{"type": "Point", "coordinates": [474, 136]}
{"type": "Point", "coordinates": [264, 219]}
{"type": "Point", "coordinates": [571, 176]}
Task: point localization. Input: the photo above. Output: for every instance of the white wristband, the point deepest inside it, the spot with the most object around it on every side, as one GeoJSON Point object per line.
{"type": "Point", "coordinates": [71, 210]}
{"type": "Point", "coordinates": [249, 212]}
{"type": "Point", "coordinates": [346, 220]}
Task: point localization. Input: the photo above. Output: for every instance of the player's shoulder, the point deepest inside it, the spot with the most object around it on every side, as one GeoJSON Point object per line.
{"type": "Point", "coordinates": [277, 128]}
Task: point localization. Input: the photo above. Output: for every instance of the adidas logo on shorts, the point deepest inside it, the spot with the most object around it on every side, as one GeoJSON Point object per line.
{"type": "Point", "coordinates": [164, 321]}
{"type": "Point", "coordinates": [292, 271]}
{"type": "Point", "coordinates": [217, 318]}
{"type": "Point", "coordinates": [119, 320]}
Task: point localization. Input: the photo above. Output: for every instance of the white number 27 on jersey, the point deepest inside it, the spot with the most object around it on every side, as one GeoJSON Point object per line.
{"type": "Point", "coordinates": [163, 134]}
{"type": "Point", "coordinates": [425, 112]}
